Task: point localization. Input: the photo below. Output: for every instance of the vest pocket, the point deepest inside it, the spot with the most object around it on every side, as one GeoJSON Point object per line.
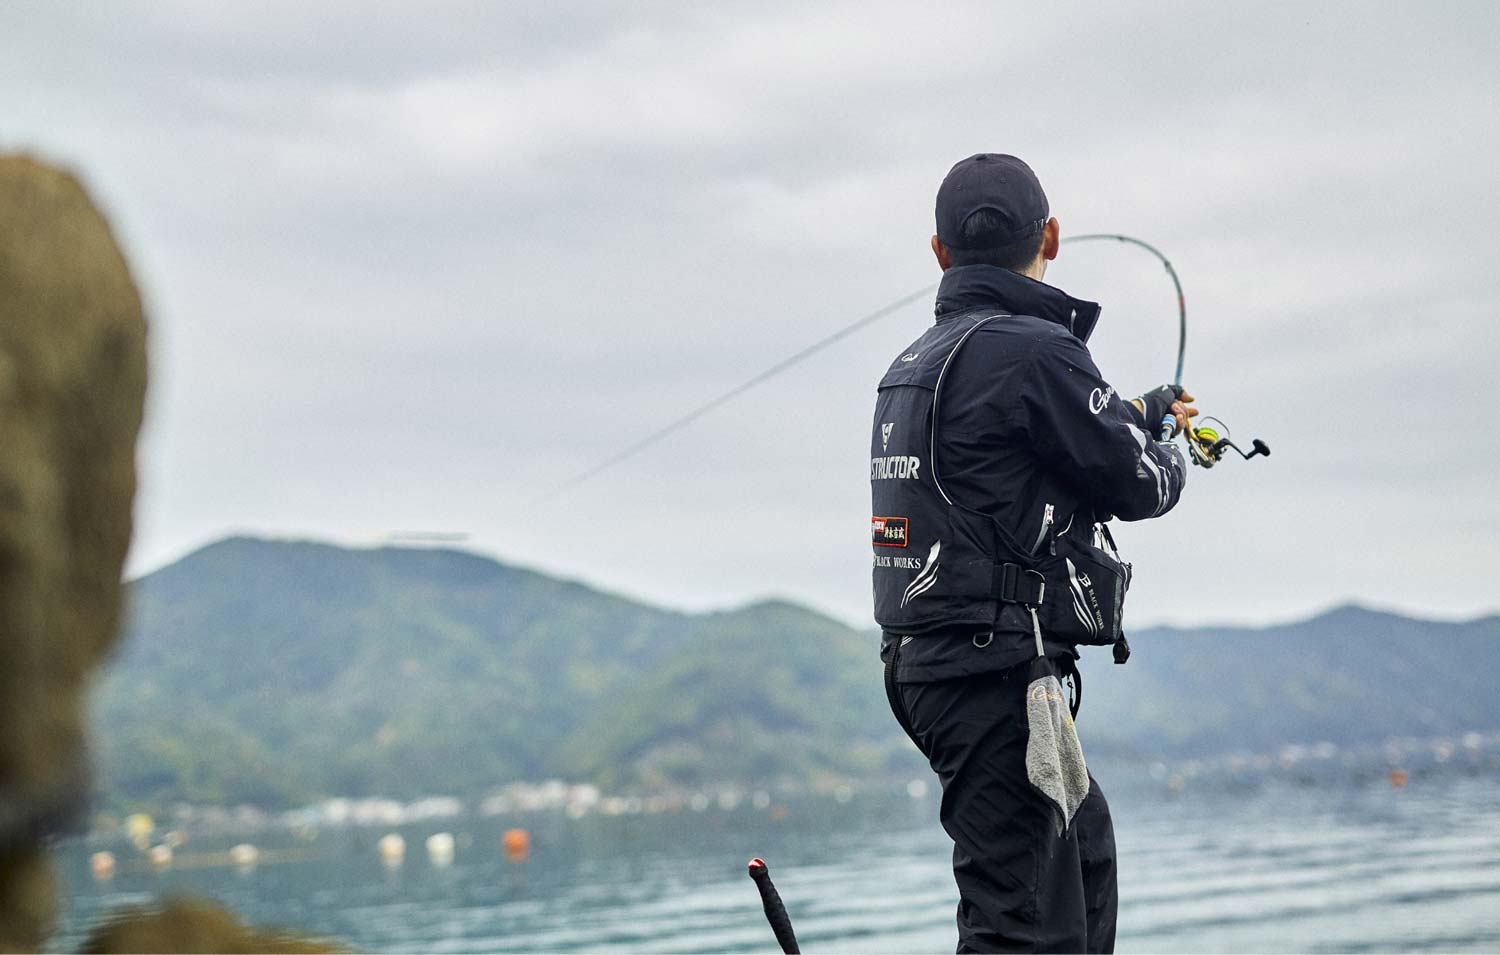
{"type": "Point", "coordinates": [1085, 600]}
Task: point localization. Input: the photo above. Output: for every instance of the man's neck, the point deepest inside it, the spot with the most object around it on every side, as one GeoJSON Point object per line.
{"type": "Point", "coordinates": [1036, 270]}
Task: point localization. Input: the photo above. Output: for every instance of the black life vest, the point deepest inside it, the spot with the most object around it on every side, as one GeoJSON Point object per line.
{"type": "Point", "coordinates": [940, 563]}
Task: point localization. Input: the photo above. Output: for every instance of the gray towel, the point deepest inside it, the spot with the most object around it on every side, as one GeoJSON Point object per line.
{"type": "Point", "coordinates": [1054, 758]}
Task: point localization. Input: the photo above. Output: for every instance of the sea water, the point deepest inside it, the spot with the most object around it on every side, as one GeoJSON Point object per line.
{"type": "Point", "coordinates": [1270, 866]}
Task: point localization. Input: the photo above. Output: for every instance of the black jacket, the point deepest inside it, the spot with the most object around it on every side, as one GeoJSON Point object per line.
{"type": "Point", "coordinates": [1030, 433]}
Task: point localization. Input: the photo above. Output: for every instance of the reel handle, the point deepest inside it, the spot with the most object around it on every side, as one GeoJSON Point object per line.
{"type": "Point", "coordinates": [1257, 446]}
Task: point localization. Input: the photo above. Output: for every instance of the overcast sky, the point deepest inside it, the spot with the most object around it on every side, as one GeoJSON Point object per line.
{"type": "Point", "coordinates": [409, 267]}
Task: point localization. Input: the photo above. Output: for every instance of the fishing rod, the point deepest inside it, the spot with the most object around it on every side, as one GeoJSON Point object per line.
{"type": "Point", "coordinates": [1206, 446]}
{"type": "Point", "coordinates": [770, 900]}
{"type": "Point", "coordinates": [1176, 283]}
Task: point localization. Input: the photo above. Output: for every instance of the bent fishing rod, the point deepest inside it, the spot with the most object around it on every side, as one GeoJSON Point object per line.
{"type": "Point", "coordinates": [1206, 446]}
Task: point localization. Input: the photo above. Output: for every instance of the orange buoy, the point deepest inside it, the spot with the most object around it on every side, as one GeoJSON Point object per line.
{"type": "Point", "coordinates": [517, 844]}
{"type": "Point", "coordinates": [392, 849]}
{"type": "Point", "coordinates": [1398, 778]}
{"type": "Point", "coordinates": [102, 864]}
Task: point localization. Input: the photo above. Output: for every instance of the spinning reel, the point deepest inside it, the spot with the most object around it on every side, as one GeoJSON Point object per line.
{"type": "Point", "coordinates": [1207, 448]}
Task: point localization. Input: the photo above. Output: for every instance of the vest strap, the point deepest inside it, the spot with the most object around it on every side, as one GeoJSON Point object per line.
{"type": "Point", "coordinates": [1014, 584]}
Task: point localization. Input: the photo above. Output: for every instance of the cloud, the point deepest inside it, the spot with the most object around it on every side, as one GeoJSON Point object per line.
{"type": "Point", "coordinates": [411, 266]}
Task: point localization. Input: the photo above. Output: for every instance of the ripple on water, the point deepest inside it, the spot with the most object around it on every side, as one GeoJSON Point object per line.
{"type": "Point", "coordinates": [1293, 869]}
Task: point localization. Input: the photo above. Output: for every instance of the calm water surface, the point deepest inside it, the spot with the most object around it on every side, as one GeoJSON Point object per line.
{"type": "Point", "coordinates": [1279, 867]}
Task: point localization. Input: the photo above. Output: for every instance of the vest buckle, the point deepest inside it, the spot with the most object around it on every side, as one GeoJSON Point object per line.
{"type": "Point", "coordinates": [1014, 584]}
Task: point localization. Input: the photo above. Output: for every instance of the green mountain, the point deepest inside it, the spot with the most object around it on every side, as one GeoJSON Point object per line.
{"type": "Point", "coordinates": [273, 673]}
{"type": "Point", "coordinates": [1351, 675]}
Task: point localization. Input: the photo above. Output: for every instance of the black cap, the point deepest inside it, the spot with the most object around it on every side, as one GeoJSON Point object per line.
{"type": "Point", "coordinates": [993, 181]}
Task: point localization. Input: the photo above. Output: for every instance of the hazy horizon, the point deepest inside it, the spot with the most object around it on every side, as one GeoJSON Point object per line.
{"type": "Point", "coordinates": [1205, 623]}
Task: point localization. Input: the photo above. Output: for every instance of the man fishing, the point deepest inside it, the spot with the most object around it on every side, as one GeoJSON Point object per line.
{"type": "Point", "coordinates": [998, 454]}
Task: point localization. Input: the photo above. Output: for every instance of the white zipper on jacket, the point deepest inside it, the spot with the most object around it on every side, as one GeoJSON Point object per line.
{"type": "Point", "coordinates": [1046, 526]}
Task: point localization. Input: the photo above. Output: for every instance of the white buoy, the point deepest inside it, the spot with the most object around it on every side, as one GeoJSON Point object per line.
{"type": "Point", "coordinates": [161, 856]}
{"type": "Point", "coordinates": [440, 848]}
{"type": "Point", "coordinates": [244, 856]}
{"type": "Point", "coordinates": [102, 864]}
{"type": "Point", "coordinates": [392, 849]}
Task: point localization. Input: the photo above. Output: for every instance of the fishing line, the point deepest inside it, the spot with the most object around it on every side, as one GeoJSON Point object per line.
{"type": "Point", "coordinates": [703, 409]}
{"type": "Point", "coordinates": [1207, 456]}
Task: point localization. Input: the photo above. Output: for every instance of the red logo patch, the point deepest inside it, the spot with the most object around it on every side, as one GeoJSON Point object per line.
{"type": "Point", "coordinates": [888, 531]}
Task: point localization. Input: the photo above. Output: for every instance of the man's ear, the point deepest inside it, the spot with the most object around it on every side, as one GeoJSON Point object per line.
{"type": "Point", "coordinates": [1051, 236]}
{"type": "Point", "coordinates": [941, 251]}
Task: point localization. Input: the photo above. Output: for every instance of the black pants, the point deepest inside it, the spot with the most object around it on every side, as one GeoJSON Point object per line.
{"type": "Point", "coordinates": [1021, 886]}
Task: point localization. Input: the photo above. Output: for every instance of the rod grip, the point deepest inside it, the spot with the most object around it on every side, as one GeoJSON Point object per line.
{"type": "Point", "coordinates": [770, 900]}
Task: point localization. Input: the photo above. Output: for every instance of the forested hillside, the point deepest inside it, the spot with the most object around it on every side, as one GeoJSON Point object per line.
{"type": "Point", "coordinates": [273, 673]}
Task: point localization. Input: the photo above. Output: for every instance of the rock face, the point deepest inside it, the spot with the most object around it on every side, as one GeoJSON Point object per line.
{"type": "Point", "coordinates": [192, 925]}
{"type": "Point", "coordinates": [72, 386]}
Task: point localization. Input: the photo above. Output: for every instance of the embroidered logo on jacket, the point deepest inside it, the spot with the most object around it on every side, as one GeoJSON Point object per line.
{"type": "Point", "coordinates": [923, 582]}
{"type": "Point", "coordinates": [888, 531]}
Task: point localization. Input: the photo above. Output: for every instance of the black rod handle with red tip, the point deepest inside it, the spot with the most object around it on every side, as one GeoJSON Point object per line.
{"type": "Point", "coordinates": [770, 899]}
